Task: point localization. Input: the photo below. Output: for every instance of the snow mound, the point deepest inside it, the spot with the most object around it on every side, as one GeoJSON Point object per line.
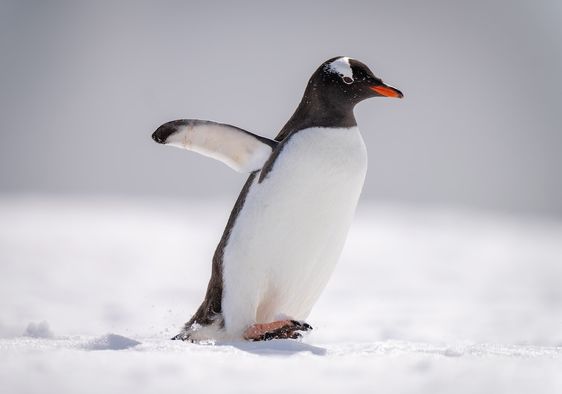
{"type": "Point", "coordinates": [422, 301]}
{"type": "Point", "coordinates": [38, 330]}
{"type": "Point", "coordinates": [111, 342]}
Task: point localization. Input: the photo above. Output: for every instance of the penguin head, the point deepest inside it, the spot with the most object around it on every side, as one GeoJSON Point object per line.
{"type": "Point", "coordinates": [346, 80]}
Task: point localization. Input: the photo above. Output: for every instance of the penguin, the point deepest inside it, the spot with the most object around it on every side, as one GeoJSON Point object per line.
{"type": "Point", "coordinates": [289, 224]}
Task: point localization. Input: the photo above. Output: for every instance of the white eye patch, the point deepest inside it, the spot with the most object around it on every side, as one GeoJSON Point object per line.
{"type": "Point", "coordinates": [342, 67]}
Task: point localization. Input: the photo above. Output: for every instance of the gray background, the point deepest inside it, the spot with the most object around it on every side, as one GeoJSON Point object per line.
{"type": "Point", "coordinates": [84, 85]}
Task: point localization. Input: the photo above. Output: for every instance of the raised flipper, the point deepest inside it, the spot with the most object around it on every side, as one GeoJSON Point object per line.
{"type": "Point", "coordinates": [237, 148]}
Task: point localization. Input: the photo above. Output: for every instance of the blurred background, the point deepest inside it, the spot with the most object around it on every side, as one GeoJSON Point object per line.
{"type": "Point", "coordinates": [84, 84]}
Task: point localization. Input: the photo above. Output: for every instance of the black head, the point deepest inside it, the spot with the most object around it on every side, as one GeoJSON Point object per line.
{"type": "Point", "coordinates": [348, 81]}
{"type": "Point", "coordinates": [331, 94]}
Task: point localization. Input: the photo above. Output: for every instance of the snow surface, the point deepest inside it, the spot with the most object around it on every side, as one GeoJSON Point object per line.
{"type": "Point", "coordinates": [423, 300]}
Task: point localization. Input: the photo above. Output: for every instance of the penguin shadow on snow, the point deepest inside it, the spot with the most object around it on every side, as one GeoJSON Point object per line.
{"type": "Point", "coordinates": [275, 347]}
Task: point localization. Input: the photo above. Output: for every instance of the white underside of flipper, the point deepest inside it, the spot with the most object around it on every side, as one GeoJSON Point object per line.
{"type": "Point", "coordinates": [240, 150]}
{"type": "Point", "coordinates": [290, 233]}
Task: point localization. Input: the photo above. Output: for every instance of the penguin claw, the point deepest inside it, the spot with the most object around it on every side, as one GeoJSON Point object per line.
{"type": "Point", "coordinates": [303, 326]}
{"type": "Point", "coordinates": [295, 335]}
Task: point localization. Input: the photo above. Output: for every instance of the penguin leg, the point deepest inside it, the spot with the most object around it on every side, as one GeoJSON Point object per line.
{"type": "Point", "coordinates": [282, 329]}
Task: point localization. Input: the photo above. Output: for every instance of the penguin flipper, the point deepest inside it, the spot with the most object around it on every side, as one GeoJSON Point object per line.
{"type": "Point", "coordinates": [239, 149]}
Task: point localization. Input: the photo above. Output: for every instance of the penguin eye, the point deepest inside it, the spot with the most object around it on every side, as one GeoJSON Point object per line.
{"type": "Point", "coordinates": [347, 80]}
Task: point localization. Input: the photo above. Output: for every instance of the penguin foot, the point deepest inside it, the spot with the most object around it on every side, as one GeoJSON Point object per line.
{"type": "Point", "coordinates": [282, 329]}
{"type": "Point", "coordinates": [182, 336]}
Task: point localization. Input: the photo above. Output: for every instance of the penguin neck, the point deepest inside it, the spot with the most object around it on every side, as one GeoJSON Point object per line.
{"type": "Point", "coordinates": [319, 110]}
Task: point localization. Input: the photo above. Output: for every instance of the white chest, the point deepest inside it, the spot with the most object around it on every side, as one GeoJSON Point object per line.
{"type": "Point", "coordinates": [291, 230]}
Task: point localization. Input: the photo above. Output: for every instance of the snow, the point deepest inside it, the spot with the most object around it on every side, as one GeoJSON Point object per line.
{"type": "Point", "coordinates": [111, 342]}
{"type": "Point", "coordinates": [38, 330]}
{"type": "Point", "coordinates": [424, 300]}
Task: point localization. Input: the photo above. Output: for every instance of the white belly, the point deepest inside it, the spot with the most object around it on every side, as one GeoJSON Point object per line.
{"type": "Point", "coordinates": [291, 230]}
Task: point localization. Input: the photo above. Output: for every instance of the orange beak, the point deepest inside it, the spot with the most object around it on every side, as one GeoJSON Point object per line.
{"type": "Point", "coordinates": [387, 91]}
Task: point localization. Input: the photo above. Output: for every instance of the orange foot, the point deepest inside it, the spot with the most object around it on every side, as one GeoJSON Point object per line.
{"type": "Point", "coordinates": [282, 329]}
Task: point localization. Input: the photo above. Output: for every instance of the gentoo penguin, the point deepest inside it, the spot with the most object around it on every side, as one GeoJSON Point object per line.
{"type": "Point", "coordinates": [290, 221]}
